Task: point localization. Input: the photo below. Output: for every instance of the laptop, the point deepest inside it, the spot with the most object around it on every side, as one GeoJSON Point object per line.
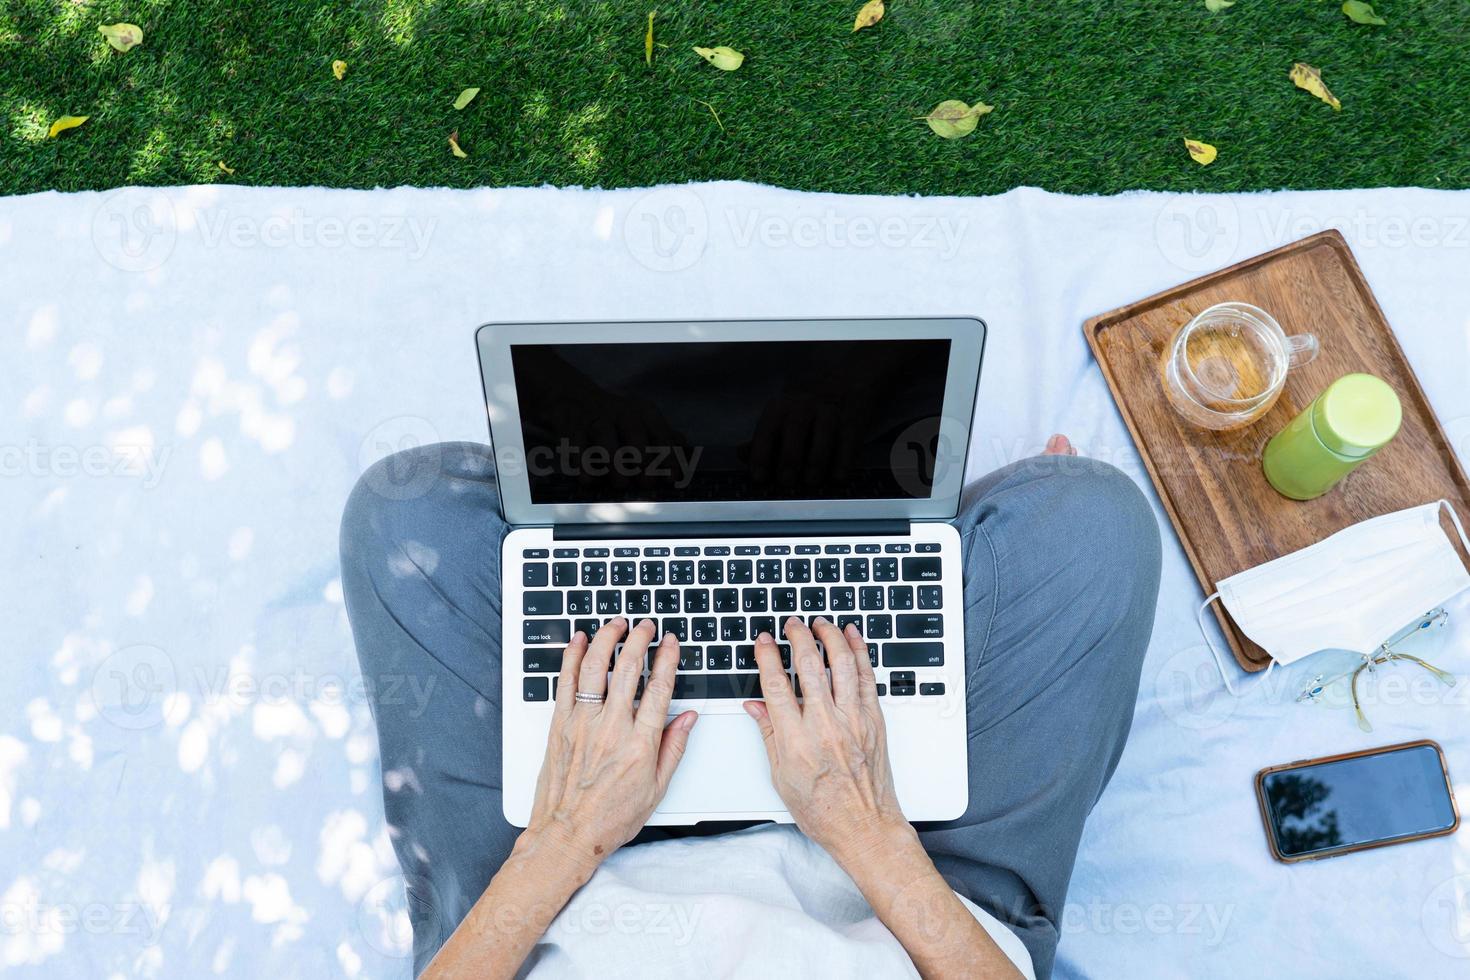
{"type": "Point", "coordinates": [720, 477]}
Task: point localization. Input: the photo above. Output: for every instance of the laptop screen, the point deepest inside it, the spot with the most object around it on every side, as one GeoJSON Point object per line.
{"type": "Point", "coordinates": [730, 420]}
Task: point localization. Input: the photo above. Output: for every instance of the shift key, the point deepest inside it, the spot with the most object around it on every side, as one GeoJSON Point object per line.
{"type": "Point", "coordinates": [913, 654]}
{"type": "Point", "coordinates": [546, 660]}
{"type": "Point", "coordinates": [548, 631]}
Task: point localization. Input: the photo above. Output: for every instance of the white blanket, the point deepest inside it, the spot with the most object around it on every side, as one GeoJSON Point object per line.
{"type": "Point", "coordinates": [193, 378]}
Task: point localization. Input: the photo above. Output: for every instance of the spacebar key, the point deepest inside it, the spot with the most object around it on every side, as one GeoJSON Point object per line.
{"type": "Point", "coordinates": [700, 686]}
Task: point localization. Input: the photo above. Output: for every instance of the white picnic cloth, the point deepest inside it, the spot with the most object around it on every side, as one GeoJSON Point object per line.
{"type": "Point", "coordinates": [194, 377]}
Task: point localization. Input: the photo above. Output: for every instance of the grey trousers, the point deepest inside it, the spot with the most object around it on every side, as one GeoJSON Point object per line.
{"type": "Point", "coordinates": [1061, 558]}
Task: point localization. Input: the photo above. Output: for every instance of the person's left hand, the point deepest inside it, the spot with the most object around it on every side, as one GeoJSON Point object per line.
{"type": "Point", "coordinates": [608, 765]}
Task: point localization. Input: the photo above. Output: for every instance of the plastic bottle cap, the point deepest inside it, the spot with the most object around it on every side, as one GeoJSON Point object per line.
{"type": "Point", "coordinates": [1357, 415]}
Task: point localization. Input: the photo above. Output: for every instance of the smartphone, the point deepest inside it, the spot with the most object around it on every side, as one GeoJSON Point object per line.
{"type": "Point", "coordinates": [1342, 803]}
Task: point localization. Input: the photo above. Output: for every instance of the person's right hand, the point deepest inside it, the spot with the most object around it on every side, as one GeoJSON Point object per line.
{"type": "Point", "coordinates": [829, 761]}
{"type": "Point", "coordinates": [829, 756]}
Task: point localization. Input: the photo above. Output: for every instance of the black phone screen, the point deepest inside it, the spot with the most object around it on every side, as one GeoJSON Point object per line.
{"type": "Point", "coordinates": [1324, 807]}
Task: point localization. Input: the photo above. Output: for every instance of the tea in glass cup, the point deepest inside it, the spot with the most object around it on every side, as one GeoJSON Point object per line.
{"type": "Point", "coordinates": [1224, 369]}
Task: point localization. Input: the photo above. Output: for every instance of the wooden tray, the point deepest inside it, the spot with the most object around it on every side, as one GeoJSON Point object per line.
{"type": "Point", "coordinates": [1226, 514]}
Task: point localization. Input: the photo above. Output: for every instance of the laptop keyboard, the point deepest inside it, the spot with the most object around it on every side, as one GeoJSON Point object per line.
{"type": "Point", "coordinates": [718, 598]}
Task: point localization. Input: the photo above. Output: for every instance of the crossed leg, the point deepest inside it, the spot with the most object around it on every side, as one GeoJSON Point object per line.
{"type": "Point", "coordinates": [1061, 574]}
{"type": "Point", "coordinates": [1061, 578]}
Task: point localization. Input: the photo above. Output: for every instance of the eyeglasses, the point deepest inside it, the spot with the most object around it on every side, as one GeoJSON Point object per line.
{"type": "Point", "coordinates": [1432, 621]}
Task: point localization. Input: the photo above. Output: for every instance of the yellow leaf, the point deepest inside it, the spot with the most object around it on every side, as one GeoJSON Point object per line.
{"type": "Point", "coordinates": [339, 68]}
{"type": "Point", "coordinates": [64, 123]}
{"type": "Point", "coordinates": [1203, 153]}
{"type": "Point", "coordinates": [953, 118]}
{"type": "Point", "coordinates": [454, 145]}
{"type": "Point", "coordinates": [1362, 13]}
{"type": "Point", "coordinates": [723, 58]}
{"type": "Point", "coordinates": [1215, 6]}
{"type": "Point", "coordinates": [713, 113]}
{"type": "Point", "coordinates": [226, 167]}
{"type": "Point", "coordinates": [1309, 78]}
{"type": "Point", "coordinates": [122, 36]}
{"type": "Point", "coordinates": [466, 97]}
{"type": "Point", "coordinates": [871, 13]}
{"type": "Point", "coordinates": [648, 40]}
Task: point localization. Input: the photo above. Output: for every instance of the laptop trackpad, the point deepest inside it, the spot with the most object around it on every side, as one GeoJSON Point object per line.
{"type": "Point", "coordinates": [724, 770]}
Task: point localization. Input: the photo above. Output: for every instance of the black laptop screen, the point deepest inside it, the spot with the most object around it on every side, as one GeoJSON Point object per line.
{"type": "Point", "coordinates": [730, 420]}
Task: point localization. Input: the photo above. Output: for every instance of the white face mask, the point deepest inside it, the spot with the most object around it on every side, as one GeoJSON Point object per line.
{"type": "Point", "coordinates": [1351, 591]}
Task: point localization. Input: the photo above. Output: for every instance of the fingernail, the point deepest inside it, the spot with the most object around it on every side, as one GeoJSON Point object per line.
{"type": "Point", "coordinates": [579, 635]}
{"type": "Point", "coordinates": [764, 637]}
{"type": "Point", "coordinates": [820, 620]}
{"type": "Point", "coordinates": [686, 722]}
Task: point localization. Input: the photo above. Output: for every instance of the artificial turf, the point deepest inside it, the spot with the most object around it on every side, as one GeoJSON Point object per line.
{"type": "Point", "coordinates": [1089, 96]}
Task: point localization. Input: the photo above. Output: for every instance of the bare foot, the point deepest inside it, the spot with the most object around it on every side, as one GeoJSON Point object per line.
{"type": "Point", "coordinates": [1059, 445]}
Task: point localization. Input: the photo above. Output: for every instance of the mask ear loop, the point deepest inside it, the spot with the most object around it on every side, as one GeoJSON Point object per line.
{"type": "Point", "coordinates": [1199, 616]}
{"type": "Point", "coordinates": [1455, 519]}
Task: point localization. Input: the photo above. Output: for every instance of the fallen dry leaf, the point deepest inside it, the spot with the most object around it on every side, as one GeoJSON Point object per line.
{"type": "Point", "coordinates": [1308, 78]}
{"type": "Point", "coordinates": [713, 113]}
{"type": "Point", "coordinates": [953, 118]}
{"type": "Point", "coordinates": [339, 69]}
{"type": "Point", "coordinates": [648, 40]}
{"type": "Point", "coordinates": [64, 123]}
{"type": "Point", "coordinates": [122, 36]}
{"type": "Point", "coordinates": [1215, 6]}
{"type": "Point", "coordinates": [465, 98]}
{"type": "Point", "coordinates": [1362, 13]}
{"type": "Point", "coordinates": [454, 145]}
{"type": "Point", "coordinates": [226, 167]}
{"type": "Point", "coordinates": [871, 13]}
{"type": "Point", "coordinates": [723, 58]}
{"type": "Point", "coordinates": [1203, 153]}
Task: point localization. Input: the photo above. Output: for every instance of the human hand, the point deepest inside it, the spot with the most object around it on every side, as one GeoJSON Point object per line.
{"type": "Point", "coordinates": [608, 765]}
{"type": "Point", "coordinates": [829, 756]}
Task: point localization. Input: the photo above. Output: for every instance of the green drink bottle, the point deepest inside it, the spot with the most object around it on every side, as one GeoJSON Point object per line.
{"type": "Point", "coordinates": [1357, 415]}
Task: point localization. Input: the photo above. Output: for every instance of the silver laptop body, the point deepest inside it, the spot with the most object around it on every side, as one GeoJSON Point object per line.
{"type": "Point", "coordinates": [720, 477]}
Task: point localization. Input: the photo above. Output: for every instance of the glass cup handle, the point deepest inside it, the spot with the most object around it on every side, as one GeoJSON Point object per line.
{"type": "Point", "coordinates": [1301, 349]}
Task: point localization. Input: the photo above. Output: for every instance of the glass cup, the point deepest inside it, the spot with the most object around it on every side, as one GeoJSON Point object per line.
{"type": "Point", "coordinates": [1225, 368]}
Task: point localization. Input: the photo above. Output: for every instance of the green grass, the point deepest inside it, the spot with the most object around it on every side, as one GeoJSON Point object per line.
{"type": "Point", "coordinates": [1089, 96]}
